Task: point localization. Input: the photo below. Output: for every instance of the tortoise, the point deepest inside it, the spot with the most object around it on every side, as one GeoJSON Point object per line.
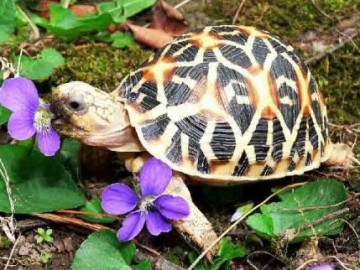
{"type": "Point", "coordinates": [221, 105]}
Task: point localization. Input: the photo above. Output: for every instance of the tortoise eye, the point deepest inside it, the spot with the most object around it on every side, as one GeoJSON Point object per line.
{"type": "Point", "coordinates": [76, 106]}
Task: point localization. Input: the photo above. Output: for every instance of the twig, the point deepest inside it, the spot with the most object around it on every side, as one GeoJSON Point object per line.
{"type": "Point", "coordinates": [327, 257]}
{"type": "Point", "coordinates": [318, 57]}
{"type": "Point", "coordinates": [306, 263]}
{"type": "Point", "coordinates": [7, 223]}
{"type": "Point", "coordinates": [88, 213]}
{"type": "Point", "coordinates": [70, 220]}
{"type": "Point", "coordinates": [353, 230]}
{"type": "Point", "coordinates": [181, 4]}
{"type": "Point", "coordinates": [324, 218]}
{"type": "Point", "coordinates": [158, 262]}
{"type": "Point", "coordinates": [238, 11]}
{"type": "Point", "coordinates": [12, 253]}
{"type": "Point", "coordinates": [93, 227]}
{"type": "Point", "coordinates": [320, 10]}
{"type": "Point", "coordinates": [239, 220]}
{"type": "Point", "coordinates": [28, 224]}
{"type": "Point", "coordinates": [256, 253]}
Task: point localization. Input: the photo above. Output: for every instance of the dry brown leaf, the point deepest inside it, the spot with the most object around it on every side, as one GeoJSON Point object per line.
{"type": "Point", "coordinates": [154, 38]}
{"type": "Point", "coordinates": [43, 6]}
{"type": "Point", "coordinates": [168, 19]}
{"type": "Point", "coordinates": [82, 10]}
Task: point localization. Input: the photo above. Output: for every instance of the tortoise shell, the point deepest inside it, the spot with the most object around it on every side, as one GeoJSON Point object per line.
{"type": "Point", "coordinates": [230, 103]}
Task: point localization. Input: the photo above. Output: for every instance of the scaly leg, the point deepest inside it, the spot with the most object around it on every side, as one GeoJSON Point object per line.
{"type": "Point", "coordinates": [195, 228]}
{"type": "Point", "coordinates": [341, 155]}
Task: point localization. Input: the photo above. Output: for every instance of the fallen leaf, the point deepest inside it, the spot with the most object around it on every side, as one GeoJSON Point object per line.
{"type": "Point", "coordinates": [168, 19]}
{"type": "Point", "coordinates": [43, 6]}
{"type": "Point", "coordinates": [154, 38]}
{"type": "Point", "coordinates": [82, 10]}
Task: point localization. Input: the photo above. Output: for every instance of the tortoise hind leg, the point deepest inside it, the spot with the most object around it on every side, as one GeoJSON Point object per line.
{"type": "Point", "coordinates": [341, 155]}
{"type": "Point", "coordinates": [195, 228]}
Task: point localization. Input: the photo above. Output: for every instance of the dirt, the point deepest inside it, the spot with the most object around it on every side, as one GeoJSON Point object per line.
{"type": "Point", "coordinates": [296, 22]}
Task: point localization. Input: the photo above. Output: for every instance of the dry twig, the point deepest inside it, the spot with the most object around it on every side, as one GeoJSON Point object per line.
{"type": "Point", "coordinates": [238, 11]}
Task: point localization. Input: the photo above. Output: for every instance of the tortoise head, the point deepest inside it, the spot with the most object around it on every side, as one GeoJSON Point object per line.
{"type": "Point", "coordinates": [92, 116]}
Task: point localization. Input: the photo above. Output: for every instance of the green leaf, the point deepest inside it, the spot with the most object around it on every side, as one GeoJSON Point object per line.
{"type": "Point", "coordinates": [39, 239]}
{"type": "Point", "coordinates": [120, 10]}
{"type": "Point", "coordinates": [4, 115]}
{"type": "Point", "coordinates": [116, 11]}
{"type": "Point", "coordinates": [122, 40]}
{"type": "Point", "coordinates": [283, 219]}
{"type": "Point", "coordinates": [66, 24]}
{"type": "Point", "coordinates": [7, 19]}
{"type": "Point", "coordinates": [42, 66]}
{"type": "Point", "coordinates": [48, 238]}
{"type": "Point", "coordinates": [143, 265]}
{"type": "Point", "coordinates": [38, 183]}
{"type": "Point", "coordinates": [102, 250]}
{"type": "Point", "coordinates": [132, 7]}
{"type": "Point", "coordinates": [263, 224]}
{"type": "Point", "coordinates": [94, 206]}
{"type": "Point", "coordinates": [229, 251]}
{"type": "Point", "coordinates": [40, 231]}
{"type": "Point", "coordinates": [68, 156]}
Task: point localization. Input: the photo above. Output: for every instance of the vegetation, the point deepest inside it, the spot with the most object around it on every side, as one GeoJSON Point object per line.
{"type": "Point", "coordinates": [53, 44]}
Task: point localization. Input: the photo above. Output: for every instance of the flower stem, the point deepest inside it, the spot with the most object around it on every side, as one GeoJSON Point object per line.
{"type": "Point", "coordinates": [35, 31]}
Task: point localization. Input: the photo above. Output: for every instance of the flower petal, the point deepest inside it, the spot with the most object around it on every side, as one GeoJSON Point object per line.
{"type": "Point", "coordinates": [131, 226]}
{"type": "Point", "coordinates": [49, 142]}
{"type": "Point", "coordinates": [118, 199]}
{"type": "Point", "coordinates": [156, 223]}
{"type": "Point", "coordinates": [19, 94]}
{"type": "Point", "coordinates": [322, 267]}
{"type": "Point", "coordinates": [172, 207]}
{"type": "Point", "coordinates": [21, 125]}
{"type": "Point", "coordinates": [155, 176]}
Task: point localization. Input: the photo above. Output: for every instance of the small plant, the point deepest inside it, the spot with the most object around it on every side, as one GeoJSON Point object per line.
{"type": "Point", "coordinates": [44, 235]}
{"type": "Point", "coordinates": [45, 258]}
{"type": "Point", "coordinates": [4, 242]}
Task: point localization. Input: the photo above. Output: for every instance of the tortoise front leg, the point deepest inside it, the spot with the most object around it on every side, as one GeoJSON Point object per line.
{"type": "Point", "coordinates": [195, 228]}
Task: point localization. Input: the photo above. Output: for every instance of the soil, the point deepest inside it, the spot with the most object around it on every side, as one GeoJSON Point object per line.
{"type": "Point", "coordinates": [311, 29]}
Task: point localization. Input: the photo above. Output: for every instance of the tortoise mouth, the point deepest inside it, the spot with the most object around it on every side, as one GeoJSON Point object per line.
{"type": "Point", "coordinates": [68, 129]}
{"type": "Point", "coordinates": [108, 138]}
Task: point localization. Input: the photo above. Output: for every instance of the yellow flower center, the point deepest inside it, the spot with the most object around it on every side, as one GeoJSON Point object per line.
{"type": "Point", "coordinates": [146, 204]}
{"type": "Point", "coordinates": [42, 120]}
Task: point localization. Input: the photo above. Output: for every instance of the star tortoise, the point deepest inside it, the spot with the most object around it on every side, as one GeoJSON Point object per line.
{"type": "Point", "coordinates": [222, 105]}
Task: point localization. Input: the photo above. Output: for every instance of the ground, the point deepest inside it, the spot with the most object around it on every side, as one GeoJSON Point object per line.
{"type": "Point", "coordinates": [310, 27]}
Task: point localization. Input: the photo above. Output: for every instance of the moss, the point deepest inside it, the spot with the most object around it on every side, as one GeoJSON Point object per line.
{"type": "Point", "coordinates": [338, 77]}
{"type": "Point", "coordinates": [97, 64]}
{"type": "Point", "coordinates": [285, 18]}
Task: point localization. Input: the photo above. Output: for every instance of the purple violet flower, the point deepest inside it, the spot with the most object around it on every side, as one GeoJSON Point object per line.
{"type": "Point", "coordinates": [322, 267]}
{"type": "Point", "coordinates": [152, 208]}
{"type": "Point", "coordinates": [29, 115]}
